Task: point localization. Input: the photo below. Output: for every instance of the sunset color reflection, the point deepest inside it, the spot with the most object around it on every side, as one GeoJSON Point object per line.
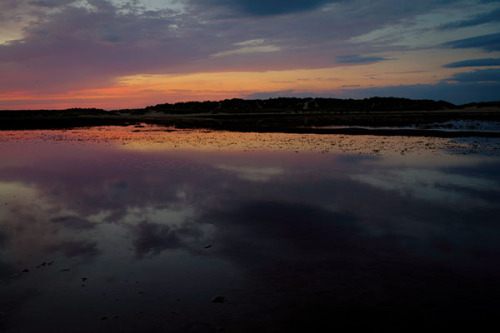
{"type": "Point", "coordinates": [110, 229]}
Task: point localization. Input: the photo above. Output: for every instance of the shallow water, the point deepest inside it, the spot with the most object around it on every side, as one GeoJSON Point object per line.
{"type": "Point", "coordinates": [121, 230]}
{"type": "Point", "coordinates": [478, 126]}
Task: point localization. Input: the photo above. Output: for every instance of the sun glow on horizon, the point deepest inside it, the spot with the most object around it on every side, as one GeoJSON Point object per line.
{"type": "Point", "coordinates": [141, 90]}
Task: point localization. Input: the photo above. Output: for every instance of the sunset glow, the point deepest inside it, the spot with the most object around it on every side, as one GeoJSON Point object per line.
{"type": "Point", "coordinates": [125, 54]}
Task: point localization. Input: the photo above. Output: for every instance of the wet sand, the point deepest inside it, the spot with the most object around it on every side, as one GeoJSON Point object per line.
{"type": "Point", "coordinates": [153, 137]}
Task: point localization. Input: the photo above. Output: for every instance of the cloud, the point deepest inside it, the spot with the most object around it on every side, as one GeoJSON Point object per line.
{"type": "Point", "coordinates": [66, 48]}
{"type": "Point", "coordinates": [75, 48]}
{"type": "Point", "coordinates": [300, 228]}
{"type": "Point", "coordinates": [265, 7]}
{"type": "Point", "coordinates": [358, 59]}
{"type": "Point", "coordinates": [493, 16]}
{"type": "Point", "coordinates": [474, 63]}
{"type": "Point", "coordinates": [154, 238]}
{"type": "Point", "coordinates": [489, 42]}
{"type": "Point", "coordinates": [248, 49]}
{"type": "Point", "coordinates": [258, 174]}
{"type": "Point", "coordinates": [73, 222]}
{"type": "Point", "coordinates": [482, 75]}
{"type": "Point", "coordinates": [48, 3]}
{"type": "Point", "coordinates": [76, 248]}
{"type": "Point", "coordinates": [457, 93]}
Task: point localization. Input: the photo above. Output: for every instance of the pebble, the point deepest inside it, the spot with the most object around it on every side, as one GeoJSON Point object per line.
{"type": "Point", "coordinates": [218, 299]}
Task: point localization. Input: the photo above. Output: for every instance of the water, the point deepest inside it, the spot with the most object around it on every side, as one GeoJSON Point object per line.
{"type": "Point", "coordinates": [104, 231]}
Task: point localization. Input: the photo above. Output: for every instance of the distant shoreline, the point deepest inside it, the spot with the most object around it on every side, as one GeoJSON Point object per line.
{"type": "Point", "coordinates": [287, 115]}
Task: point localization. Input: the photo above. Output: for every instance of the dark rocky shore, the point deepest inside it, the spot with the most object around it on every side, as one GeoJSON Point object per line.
{"type": "Point", "coordinates": [378, 116]}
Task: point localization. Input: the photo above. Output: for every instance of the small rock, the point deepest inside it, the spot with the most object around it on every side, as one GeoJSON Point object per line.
{"type": "Point", "coordinates": [26, 270]}
{"type": "Point", "coordinates": [84, 279]}
{"type": "Point", "coordinates": [65, 270]}
{"type": "Point", "coordinates": [218, 299]}
{"type": "Point", "coordinates": [104, 318]}
{"type": "Point", "coordinates": [208, 246]}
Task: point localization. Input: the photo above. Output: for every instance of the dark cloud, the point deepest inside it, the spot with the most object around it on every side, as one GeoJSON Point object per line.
{"type": "Point", "coordinates": [6, 269]}
{"type": "Point", "coordinates": [308, 227]}
{"type": "Point", "coordinates": [3, 239]}
{"type": "Point", "coordinates": [265, 7]}
{"type": "Point", "coordinates": [457, 93]}
{"type": "Point", "coordinates": [489, 42]}
{"type": "Point", "coordinates": [303, 247]}
{"type": "Point", "coordinates": [269, 233]}
{"type": "Point", "coordinates": [493, 16]}
{"type": "Point", "coordinates": [73, 222]}
{"type": "Point", "coordinates": [477, 76]}
{"type": "Point", "coordinates": [154, 238]}
{"type": "Point", "coordinates": [49, 3]}
{"type": "Point", "coordinates": [358, 59]}
{"type": "Point", "coordinates": [474, 63]}
{"type": "Point", "coordinates": [76, 248]}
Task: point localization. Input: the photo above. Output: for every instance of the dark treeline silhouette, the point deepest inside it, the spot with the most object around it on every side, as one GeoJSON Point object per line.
{"type": "Point", "coordinates": [495, 104]}
{"type": "Point", "coordinates": [284, 114]}
{"type": "Point", "coordinates": [293, 104]}
{"type": "Point", "coordinates": [73, 112]}
{"type": "Point", "coordinates": [272, 105]}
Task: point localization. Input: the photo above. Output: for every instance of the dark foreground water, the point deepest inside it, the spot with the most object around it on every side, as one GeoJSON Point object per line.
{"type": "Point", "coordinates": [99, 238]}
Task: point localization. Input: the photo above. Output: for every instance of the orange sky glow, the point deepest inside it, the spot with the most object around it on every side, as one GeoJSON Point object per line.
{"type": "Point", "coordinates": [113, 54]}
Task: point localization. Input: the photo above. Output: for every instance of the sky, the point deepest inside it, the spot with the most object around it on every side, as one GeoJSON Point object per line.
{"type": "Point", "coordinates": [112, 54]}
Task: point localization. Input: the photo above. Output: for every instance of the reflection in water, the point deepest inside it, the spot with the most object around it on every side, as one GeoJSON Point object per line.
{"type": "Point", "coordinates": [99, 238]}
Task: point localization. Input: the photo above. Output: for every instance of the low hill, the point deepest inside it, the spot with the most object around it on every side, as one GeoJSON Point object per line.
{"type": "Point", "coordinates": [291, 104]}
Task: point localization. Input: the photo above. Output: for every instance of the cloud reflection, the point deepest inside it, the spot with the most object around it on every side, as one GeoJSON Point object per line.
{"type": "Point", "coordinates": [252, 173]}
{"type": "Point", "coordinates": [73, 222]}
{"type": "Point", "coordinates": [297, 236]}
{"type": "Point", "coordinates": [154, 238]}
{"type": "Point", "coordinates": [76, 248]}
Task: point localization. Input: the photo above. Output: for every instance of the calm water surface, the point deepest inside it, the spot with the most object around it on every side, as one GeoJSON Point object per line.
{"type": "Point", "coordinates": [100, 237]}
